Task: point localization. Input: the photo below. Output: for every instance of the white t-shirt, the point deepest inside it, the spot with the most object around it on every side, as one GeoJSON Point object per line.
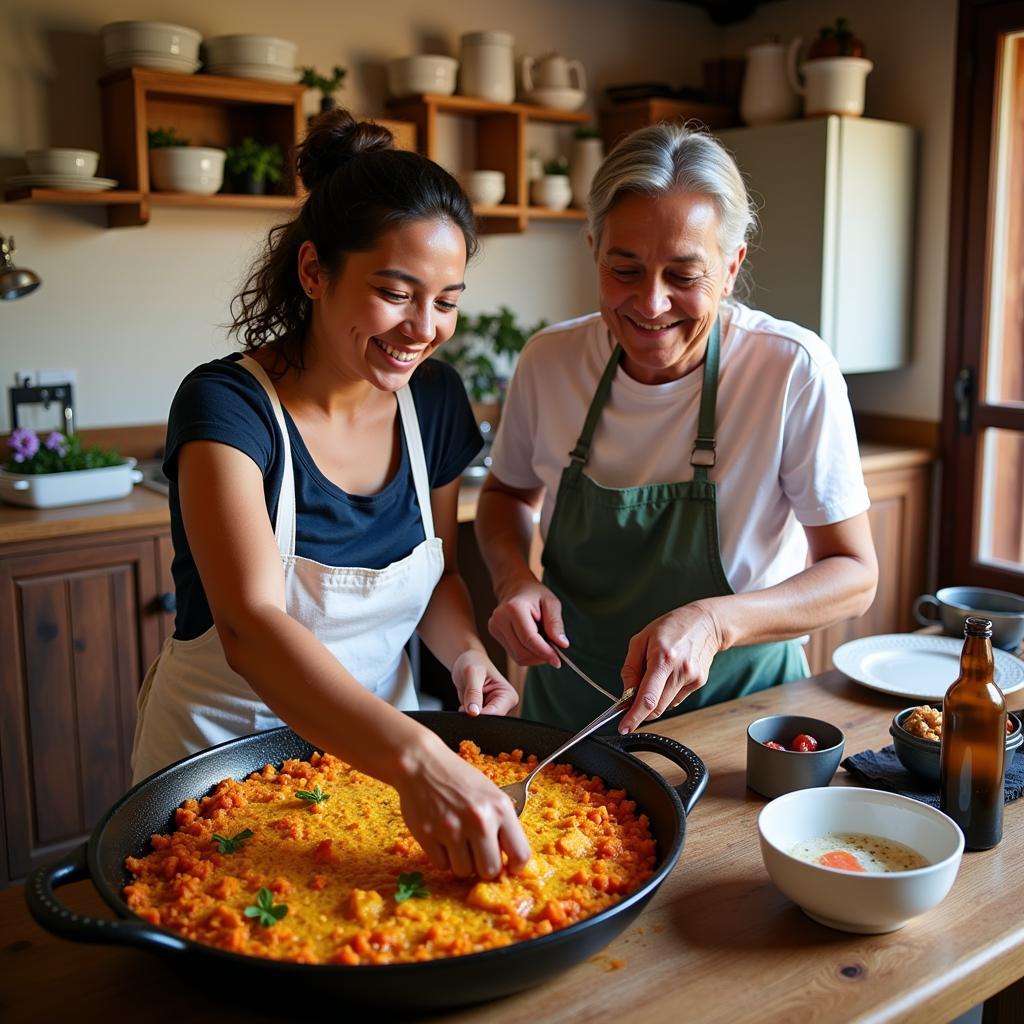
{"type": "Point", "coordinates": [787, 449]}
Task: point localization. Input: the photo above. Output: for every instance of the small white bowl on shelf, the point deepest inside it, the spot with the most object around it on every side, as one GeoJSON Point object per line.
{"type": "Point", "coordinates": [150, 44]}
{"type": "Point", "coordinates": [65, 162]}
{"type": "Point", "coordinates": [269, 51]}
{"type": "Point", "coordinates": [562, 98]}
{"type": "Point", "coordinates": [422, 73]}
{"type": "Point", "coordinates": [264, 72]}
{"type": "Point", "coordinates": [198, 170]}
{"type": "Point", "coordinates": [484, 188]}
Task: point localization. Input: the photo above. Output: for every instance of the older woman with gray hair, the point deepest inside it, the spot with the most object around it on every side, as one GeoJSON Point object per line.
{"type": "Point", "coordinates": [695, 463]}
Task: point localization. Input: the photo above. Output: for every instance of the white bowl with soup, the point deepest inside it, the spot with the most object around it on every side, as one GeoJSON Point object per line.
{"type": "Point", "coordinates": [895, 857]}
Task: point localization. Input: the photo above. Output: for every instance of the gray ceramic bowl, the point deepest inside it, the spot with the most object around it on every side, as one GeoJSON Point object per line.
{"type": "Point", "coordinates": [921, 756]}
{"type": "Point", "coordinates": [951, 605]}
{"type": "Point", "coordinates": [774, 772]}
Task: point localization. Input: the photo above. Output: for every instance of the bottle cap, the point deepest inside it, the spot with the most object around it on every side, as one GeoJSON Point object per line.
{"type": "Point", "coordinates": [975, 625]}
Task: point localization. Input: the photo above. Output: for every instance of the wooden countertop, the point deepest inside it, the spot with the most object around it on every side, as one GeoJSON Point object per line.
{"type": "Point", "coordinates": [717, 943]}
{"type": "Point", "coordinates": [146, 508]}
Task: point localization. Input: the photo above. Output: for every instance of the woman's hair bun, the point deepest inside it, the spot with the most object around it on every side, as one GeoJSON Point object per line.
{"type": "Point", "coordinates": [334, 138]}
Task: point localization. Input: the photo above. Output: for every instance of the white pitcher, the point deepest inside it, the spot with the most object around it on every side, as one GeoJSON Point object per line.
{"type": "Point", "coordinates": [552, 71]}
{"type": "Point", "coordinates": [486, 67]}
{"type": "Point", "coordinates": [767, 94]}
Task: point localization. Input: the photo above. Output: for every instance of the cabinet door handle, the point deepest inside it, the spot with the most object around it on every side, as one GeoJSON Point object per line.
{"type": "Point", "coordinates": [167, 601]}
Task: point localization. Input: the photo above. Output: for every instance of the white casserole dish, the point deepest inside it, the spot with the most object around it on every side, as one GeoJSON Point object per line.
{"type": "Point", "coordinates": [51, 490]}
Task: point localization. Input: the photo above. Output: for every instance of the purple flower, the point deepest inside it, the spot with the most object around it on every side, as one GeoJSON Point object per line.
{"type": "Point", "coordinates": [24, 443]}
{"type": "Point", "coordinates": [55, 443]}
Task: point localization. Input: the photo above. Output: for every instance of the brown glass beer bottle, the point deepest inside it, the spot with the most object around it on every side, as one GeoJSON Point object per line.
{"type": "Point", "coordinates": [973, 746]}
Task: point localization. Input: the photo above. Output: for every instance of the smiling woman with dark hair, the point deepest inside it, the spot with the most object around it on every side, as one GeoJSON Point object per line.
{"type": "Point", "coordinates": [694, 462]}
{"type": "Point", "coordinates": [314, 489]}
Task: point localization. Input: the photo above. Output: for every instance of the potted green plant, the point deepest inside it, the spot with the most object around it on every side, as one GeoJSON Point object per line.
{"type": "Point", "coordinates": [178, 166]}
{"type": "Point", "coordinates": [58, 470]}
{"type": "Point", "coordinates": [484, 349]}
{"type": "Point", "coordinates": [552, 190]}
{"type": "Point", "coordinates": [253, 165]}
{"type": "Point", "coordinates": [327, 85]}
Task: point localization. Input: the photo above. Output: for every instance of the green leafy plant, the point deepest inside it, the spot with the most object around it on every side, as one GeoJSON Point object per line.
{"type": "Point", "coordinates": [161, 138]}
{"type": "Point", "coordinates": [476, 344]}
{"type": "Point", "coordinates": [559, 165]}
{"type": "Point", "coordinates": [235, 842]}
{"type": "Point", "coordinates": [262, 163]}
{"type": "Point", "coordinates": [836, 41]}
{"type": "Point", "coordinates": [265, 909]}
{"type": "Point", "coordinates": [327, 86]}
{"type": "Point", "coordinates": [56, 453]}
{"type": "Point", "coordinates": [410, 887]}
{"type": "Point", "coordinates": [587, 131]}
{"type": "Point", "coordinates": [314, 796]}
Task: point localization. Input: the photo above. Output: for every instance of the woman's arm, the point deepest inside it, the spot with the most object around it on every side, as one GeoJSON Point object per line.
{"type": "Point", "coordinates": [504, 532]}
{"type": "Point", "coordinates": [671, 657]}
{"type": "Point", "coordinates": [457, 815]}
{"type": "Point", "coordinates": [448, 627]}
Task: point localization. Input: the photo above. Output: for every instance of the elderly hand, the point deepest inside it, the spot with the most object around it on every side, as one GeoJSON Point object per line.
{"type": "Point", "coordinates": [481, 687]}
{"type": "Point", "coordinates": [668, 660]}
{"type": "Point", "coordinates": [514, 623]}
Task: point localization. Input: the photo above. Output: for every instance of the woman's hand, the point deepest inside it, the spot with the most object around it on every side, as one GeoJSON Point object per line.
{"type": "Point", "coordinates": [482, 689]}
{"type": "Point", "coordinates": [460, 818]}
{"type": "Point", "coordinates": [514, 623]}
{"type": "Point", "coordinates": [668, 660]}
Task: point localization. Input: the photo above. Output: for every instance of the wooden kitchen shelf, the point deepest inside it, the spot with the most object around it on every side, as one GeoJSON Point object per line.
{"type": "Point", "coordinates": [500, 145]}
{"type": "Point", "coordinates": [210, 110]}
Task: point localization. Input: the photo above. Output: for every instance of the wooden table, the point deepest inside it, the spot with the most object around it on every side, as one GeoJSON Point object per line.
{"type": "Point", "coordinates": [717, 943]}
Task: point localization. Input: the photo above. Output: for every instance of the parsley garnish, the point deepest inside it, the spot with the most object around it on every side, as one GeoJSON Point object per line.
{"type": "Point", "coordinates": [410, 886]}
{"type": "Point", "coordinates": [226, 845]}
{"type": "Point", "coordinates": [265, 910]}
{"type": "Point", "coordinates": [317, 796]}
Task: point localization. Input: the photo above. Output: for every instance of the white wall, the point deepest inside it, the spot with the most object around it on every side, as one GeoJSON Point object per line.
{"type": "Point", "coordinates": [913, 46]}
{"type": "Point", "coordinates": [133, 309]}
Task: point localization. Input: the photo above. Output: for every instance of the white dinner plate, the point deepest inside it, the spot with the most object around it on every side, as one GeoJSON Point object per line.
{"type": "Point", "coordinates": [70, 182]}
{"type": "Point", "coordinates": [916, 665]}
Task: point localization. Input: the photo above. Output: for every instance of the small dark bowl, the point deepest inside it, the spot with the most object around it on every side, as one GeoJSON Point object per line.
{"type": "Point", "coordinates": [774, 772]}
{"type": "Point", "coordinates": [921, 756]}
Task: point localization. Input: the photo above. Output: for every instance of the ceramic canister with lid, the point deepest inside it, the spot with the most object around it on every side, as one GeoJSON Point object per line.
{"type": "Point", "coordinates": [486, 66]}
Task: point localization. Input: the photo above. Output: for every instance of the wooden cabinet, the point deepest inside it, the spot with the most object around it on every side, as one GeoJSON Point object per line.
{"type": "Point", "coordinates": [899, 489]}
{"type": "Point", "coordinates": [498, 132]}
{"type": "Point", "coordinates": [835, 198]}
{"type": "Point", "coordinates": [624, 118]}
{"type": "Point", "coordinates": [81, 618]}
{"type": "Point", "coordinates": [209, 110]}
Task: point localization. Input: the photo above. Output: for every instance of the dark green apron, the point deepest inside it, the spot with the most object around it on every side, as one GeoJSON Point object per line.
{"type": "Point", "coordinates": [620, 558]}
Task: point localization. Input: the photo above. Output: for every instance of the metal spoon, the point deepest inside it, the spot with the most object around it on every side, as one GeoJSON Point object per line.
{"type": "Point", "coordinates": [517, 792]}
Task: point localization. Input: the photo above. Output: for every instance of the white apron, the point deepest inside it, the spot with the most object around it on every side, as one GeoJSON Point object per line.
{"type": "Point", "coordinates": [191, 699]}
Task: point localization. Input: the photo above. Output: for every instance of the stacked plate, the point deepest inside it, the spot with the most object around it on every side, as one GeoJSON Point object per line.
{"type": "Point", "coordinates": [70, 182]}
{"type": "Point", "coordinates": [249, 56]}
{"type": "Point", "coordinates": [150, 44]}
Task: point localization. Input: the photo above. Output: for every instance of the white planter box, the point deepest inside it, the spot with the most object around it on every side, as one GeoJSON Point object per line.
{"type": "Point", "coordinates": [51, 490]}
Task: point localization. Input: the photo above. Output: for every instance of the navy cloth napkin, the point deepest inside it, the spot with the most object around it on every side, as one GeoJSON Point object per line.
{"type": "Point", "coordinates": [881, 769]}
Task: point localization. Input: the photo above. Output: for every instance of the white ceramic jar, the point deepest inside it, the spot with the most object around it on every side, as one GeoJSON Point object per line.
{"type": "Point", "coordinates": [587, 156]}
{"type": "Point", "coordinates": [486, 67]}
{"type": "Point", "coordinates": [552, 191]}
{"type": "Point", "coordinates": [834, 85]}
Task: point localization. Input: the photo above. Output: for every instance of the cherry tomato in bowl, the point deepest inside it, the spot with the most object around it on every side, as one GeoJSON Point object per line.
{"type": "Point", "coordinates": [803, 743]}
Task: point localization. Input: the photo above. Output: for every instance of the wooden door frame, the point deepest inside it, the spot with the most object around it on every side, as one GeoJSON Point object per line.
{"type": "Point", "coordinates": [967, 282]}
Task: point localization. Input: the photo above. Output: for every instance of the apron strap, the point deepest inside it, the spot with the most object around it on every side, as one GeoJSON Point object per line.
{"type": "Point", "coordinates": [417, 460]}
{"type": "Point", "coordinates": [703, 455]}
{"type": "Point", "coordinates": [581, 452]}
{"type": "Point", "coordinates": [284, 527]}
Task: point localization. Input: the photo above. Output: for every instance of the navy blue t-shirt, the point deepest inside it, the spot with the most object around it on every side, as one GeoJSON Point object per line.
{"type": "Point", "coordinates": [222, 401]}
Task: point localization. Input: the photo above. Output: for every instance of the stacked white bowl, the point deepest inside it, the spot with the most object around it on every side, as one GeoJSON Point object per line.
{"type": "Point", "coordinates": [422, 73]}
{"type": "Point", "coordinates": [150, 44]}
{"type": "Point", "coordinates": [249, 56]}
{"type": "Point", "coordinates": [198, 170]}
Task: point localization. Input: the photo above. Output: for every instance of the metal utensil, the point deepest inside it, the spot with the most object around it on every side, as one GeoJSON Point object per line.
{"type": "Point", "coordinates": [517, 792]}
{"type": "Point", "coordinates": [566, 660]}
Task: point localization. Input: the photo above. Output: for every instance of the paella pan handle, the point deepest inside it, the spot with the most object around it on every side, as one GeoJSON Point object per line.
{"type": "Point", "coordinates": [60, 919]}
{"type": "Point", "coordinates": [691, 788]}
